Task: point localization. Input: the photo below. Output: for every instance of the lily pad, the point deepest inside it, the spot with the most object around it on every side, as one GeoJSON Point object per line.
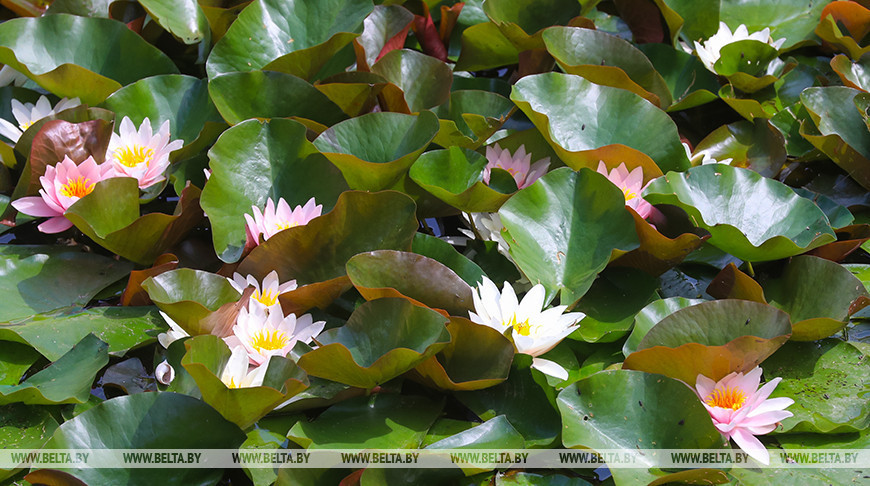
{"type": "Point", "coordinates": [277, 161]}
{"type": "Point", "coordinates": [651, 315]}
{"type": "Point", "coordinates": [55, 334]}
{"type": "Point", "coordinates": [424, 80]}
{"type": "Point", "coordinates": [853, 74]}
{"type": "Point", "coordinates": [183, 19]}
{"type": "Point", "coordinates": [455, 176]}
{"type": "Point", "coordinates": [205, 359]}
{"type": "Point", "coordinates": [562, 229]}
{"type": "Point", "coordinates": [794, 20]}
{"type": "Point", "coordinates": [270, 94]}
{"type": "Point", "coordinates": [752, 217]}
{"type": "Point", "coordinates": [712, 339]}
{"type": "Point", "coordinates": [688, 80]}
{"type": "Point", "coordinates": [382, 339]}
{"type": "Point", "coordinates": [390, 273]}
{"type": "Point", "coordinates": [471, 117]}
{"type": "Point", "coordinates": [560, 103]}
{"type": "Point", "coordinates": [374, 151]}
{"type": "Point", "coordinates": [658, 253]}
{"type": "Point", "coordinates": [44, 278]}
{"type": "Point", "coordinates": [189, 296]}
{"type": "Point", "coordinates": [438, 249]}
{"type": "Point", "coordinates": [818, 294]}
{"type": "Point", "coordinates": [15, 360]}
{"type": "Point", "coordinates": [24, 427]}
{"type": "Point", "coordinates": [755, 145]}
{"type": "Point", "coordinates": [826, 381]}
{"type": "Point", "coordinates": [148, 421]}
{"type": "Point", "coordinates": [110, 216]}
{"type": "Point", "coordinates": [47, 50]}
{"type": "Point", "coordinates": [297, 38]}
{"type": "Point", "coordinates": [380, 27]}
{"type": "Point", "coordinates": [319, 250]}
{"type": "Point", "coordinates": [67, 380]}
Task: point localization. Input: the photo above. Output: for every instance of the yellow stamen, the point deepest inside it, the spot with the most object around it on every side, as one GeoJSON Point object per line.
{"type": "Point", "coordinates": [282, 225]}
{"type": "Point", "coordinates": [24, 126]}
{"type": "Point", "coordinates": [133, 156]}
{"type": "Point", "coordinates": [732, 398]}
{"type": "Point", "coordinates": [268, 299]}
{"type": "Point", "coordinates": [77, 188]}
{"type": "Point", "coordinates": [232, 383]}
{"type": "Point", "coordinates": [628, 193]}
{"type": "Point", "coordinates": [269, 340]}
{"type": "Point", "coordinates": [522, 328]}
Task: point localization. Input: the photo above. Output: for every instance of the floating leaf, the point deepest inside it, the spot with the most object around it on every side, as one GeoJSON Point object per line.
{"type": "Point", "coordinates": [390, 273]}
{"type": "Point", "coordinates": [67, 380]}
{"type": "Point", "coordinates": [711, 339]}
{"type": "Point", "coordinates": [189, 296]}
{"type": "Point", "coordinates": [853, 74]}
{"type": "Point", "coordinates": [657, 252]}
{"type": "Point", "coordinates": [611, 304]}
{"type": "Point", "coordinates": [755, 145]}
{"type": "Point", "coordinates": [560, 103]}
{"type": "Point", "coordinates": [55, 334]}
{"type": "Point", "coordinates": [471, 117]}
{"type": "Point", "coordinates": [731, 283]}
{"type": "Point", "coordinates": [382, 339]}
{"type": "Point", "coordinates": [793, 20]}
{"type": "Point", "coordinates": [183, 19]}
{"type": "Point", "coordinates": [43, 278]}
{"type": "Point", "coordinates": [375, 162]}
{"type": "Point", "coordinates": [277, 161]}
{"type": "Point", "coordinates": [24, 427]}
{"type": "Point", "coordinates": [46, 49]}
{"type": "Point", "coordinates": [752, 217]}
{"type": "Point", "coordinates": [438, 249]}
{"type": "Point", "coordinates": [382, 25]}
{"type": "Point", "coordinates": [562, 229]}
{"type": "Point", "coordinates": [651, 315]}
{"type": "Point", "coordinates": [319, 250]}
{"type": "Point", "coordinates": [688, 80]}
{"type": "Point", "coordinates": [455, 176]}
{"type": "Point", "coordinates": [424, 80]}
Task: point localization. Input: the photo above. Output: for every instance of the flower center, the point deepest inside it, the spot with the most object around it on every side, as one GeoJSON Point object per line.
{"type": "Point", "coordinates": [282, 225]}
{"type": "Point", "coordinates": [628, 193]}
{"type": "Point", "coordinates": [133, 156]}
{"type": "Point", "coordinates": [732, 398]}
{"type": "Point", "coordinates": [24, 126]}
{"type": "Point", "coordinates": [522, 328]}
{"type": "Point", "coordinates": [79, 188]}
{"type": "Point", "coordinates": [232, 383]}
{"type": "Point", "coordinates": [269, 340]}
{"type": "Point", "coordinates": [268, 299]}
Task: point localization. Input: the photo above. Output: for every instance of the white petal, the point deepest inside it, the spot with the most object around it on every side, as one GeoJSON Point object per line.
{"type": "Point", "coordinates": [551, 368]}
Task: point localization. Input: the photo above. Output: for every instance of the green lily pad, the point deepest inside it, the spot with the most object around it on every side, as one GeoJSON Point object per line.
{"type": "Point", "coordinates": [562, 229]}
{"type": "Point", "coordinates": [795, 20]}
{"type": "Point", "coordinates": [205, 359]}
{"type": "Point", "coordinates": [477, 357]}
{"type": "Point", "coordinates": [625, 409]}
{"type": "Point", "coordinates": [688, 80]}
{"type": "Point", "coordinates": [484, 46]}
{"type": "Point", "coordinates": [471, 117]}
{"type": "Point", "coordinates": [560, 103]}
{"type": "Point", "coordinates": [374, 151]}
{"type": "Point", "coordinates": [746, 56]}
{"type": "Point", "coordinates": [189, 296]}
{"type": "Point", "coordinates": [54, 334]}
{"type": "Point", "coordinates": [853, 74]}
{"type": "Point", "coordinates": [651, 315]}
{"type": "Point", "coordinates": [183, 19]}
{"type": "Point", "coordinates": [15, 360]}
{"type": "Point", "coordinates": [24, 427]}
{"type": "Point", "coordinates": [826, 380]}
{"type": "Point", "coordinates": [47, 50]}
{"type": "Point", "coordinates": [755, 145]}
{"type": "Point", "coordinates": [423, 280]}
{"type": "Point", "coordinates": [818, 294]}
{"type": "Point", "coordinates": [277, 161]}
{"type": "Point", "coordinates": [270, 94]}
{"type": "Point", "coordinates": [88, 8]}
{"type": "Point", "coordinates": [455, 176]}
{"type": "Point", "coordinates": [440, 250]}
{"type": "Point", "coordinates": [382, 339]}
{"type": "Point", "coordinates": [182, 100]}
{"type": "Point", "coordinates": [43, 278]}
{"type": "Point", "coordinates": [712, 339]}
{"type": "Point", "coordinates": [612, 302]}
{"type": "Point", "coordinates": [110, 216]}
{"type": "Point", "coordinates": [749, 216]}
{"type": "Point", "coordinates": [424, 80]}
{"type": "Point", "coordinates": [379, 421]}
{"type": "Point", "coordinates": [148, 421]}
{"type": "Point", "coordinates": [296, 38]}
{"type": "Point", "coordinates": [384, 23]}
{"type": "Point", "coordinates": [607, 60]}
{"type": "Point", "coordinates": [360, 221]}
{"type": "Point", "coordinates": [67, 380]}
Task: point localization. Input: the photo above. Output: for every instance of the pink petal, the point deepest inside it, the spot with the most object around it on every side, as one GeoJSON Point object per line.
{"type": "Point", "coordinates": [55, 225]}
{"type": "Point", "coordinates": [34, 206]}
{"type": "Point", "coordinates": [751, 446]}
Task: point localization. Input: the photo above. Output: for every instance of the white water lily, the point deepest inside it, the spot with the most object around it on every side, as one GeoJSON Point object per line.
{"type": "Point", "coordinates": [265, 295]}
{"type": "Point", "coordinates": [266, 332]}
{"type": "Point", "coordinates": [703, 158]}
{"type": "Point", "coordinates": [11, 76]}
{"type": "Point", "coordinates": [141, 154]}
{"type": "Point", "coordinates": [174, 333]}
{"type": "Point", "coordinates": [709, 50]}
{"type": "Point", "coordinates": [488, 227]}
{"type": "Point", "coordinates": [534, 330]}
{"type": "Point", "coordinates": [164, 372]}
{"type": "Point", "coordinates": [238, 374]}
{"type": "Point", "coordinates": [28, 113]}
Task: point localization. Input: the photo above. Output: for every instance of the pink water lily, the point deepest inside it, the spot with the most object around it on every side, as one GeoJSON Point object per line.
{"type": "Point", "coordinates": [631, 184]}
{"type": "Point", "coordinates": [518, 165]}
{"type": "Point", "coordinates": [142, 154]}
{"type": "Point", "coordinates": [275, 219]}
{"type": "Point", "coordinates": [741, 410]}
{"type": "Point", "coordinates": [62, 185]}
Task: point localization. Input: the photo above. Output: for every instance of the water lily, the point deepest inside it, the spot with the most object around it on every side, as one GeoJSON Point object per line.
{"type": "Point", "coordinates": [238, 374]}
{"type": "Point", "coordinates": [11, 76]}
{"type": "Point", "coordinates": [142, 154]}
{"type": "Point", "coordinates": [488, 227]}
{"type": "Point", "coordinates": [741, 410]}
{"type": "Point", "coordinates": [266, 332]}
{"type": "Point", "coordinates": [164, 372]}
{"type": "Point", "coordinates": [62, 185]}
{"type": "Point", "coordinates": [518, 165]}
{"type": "Point", "coordinates": [28, 113]}
{"type": "Point", "coordinates": [174, 333]}
{"type": "Point", "coordinates": [703, 158]}
{"type": "Point", "coordinates": [534, 330]}
{"type": "Point", "coordinates": [631, 185]}
{"type": "Point", "coordinates": [709, 50]}
{"type": "Point", "coordinates": [275, 219]}
{"type": "Point", "coordinates": [266, 294]}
